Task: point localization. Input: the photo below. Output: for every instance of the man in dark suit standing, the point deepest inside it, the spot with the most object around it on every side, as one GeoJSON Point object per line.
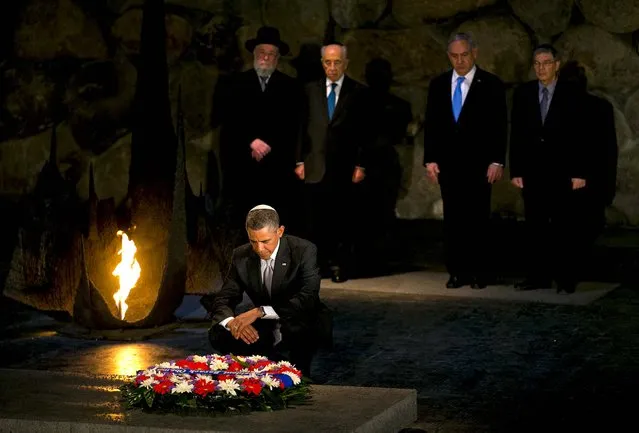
{"type": "Point", "coordinates": [258, 113]}
{"type": "Point", "coordinates": [464, 150]}
{"type": "Point", "coordinates": [331, 158]}
{"type": "Point", "coordinates": [549, 158]}
{"type": "Point", "coordinates": [280, 276]}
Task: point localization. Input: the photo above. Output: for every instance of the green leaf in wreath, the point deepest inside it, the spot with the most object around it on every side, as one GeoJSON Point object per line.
{"type": "Point", "coordinates": [149, 396]}
{"type": "Point", "coordinates": [242, 363]}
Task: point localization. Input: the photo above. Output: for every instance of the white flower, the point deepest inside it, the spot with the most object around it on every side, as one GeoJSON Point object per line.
{"type": "Point", "coordinates": [229, 385]}
{"type": "Point", "coordinates": [198, 358]}
{"type": "Point", "coordinates": [176, 378]}
{"type": "Point", "coordinates": [270, 381]}
{"type": "Point", "coordinates": [204, 377]}
{"type": "Point", "coordinates": [166, 365]}
{"type": "Point", "coordinates": [182, 387]}
{"type": "Point", "coordinates": [148, 383]}
{"type": "Point", "coordinates": [285, 364]}
{"type": "Point", "coordinates": [294, 377]}
{"type": "Point", "coordinates": [256, 358]}
{"type": "Point", "coordinates": [218, 364]}
{"type": "Point", "coordinates": [241, 358]}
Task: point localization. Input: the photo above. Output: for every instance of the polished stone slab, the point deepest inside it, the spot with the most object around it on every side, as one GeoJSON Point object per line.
{"type": "Point", "coordinates": [429, 283]}
{"type": "Point", "coordinates": [33, 401]}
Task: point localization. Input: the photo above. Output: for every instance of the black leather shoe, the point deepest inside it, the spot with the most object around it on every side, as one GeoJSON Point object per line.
{"type": "Point", "coordinates": [479, 283]}
{"type": "Point", "coordinates": [455, 282]}
{"type": "Point", "coordinates": [529, 284]}
{"type": "Point", "coordinates": [568, 287]}
{"type": "Point", "coordinates": [338, 276]}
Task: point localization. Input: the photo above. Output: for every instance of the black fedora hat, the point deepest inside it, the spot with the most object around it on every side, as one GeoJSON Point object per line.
{"type": "Point", "coordinates": [267, 35]}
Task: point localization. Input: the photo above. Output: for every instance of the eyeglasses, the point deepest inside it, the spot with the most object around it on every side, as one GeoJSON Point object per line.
{"type": "Point", "coordinates": [545, 64]}
{"type": "Point", "coordinates": [262, 54]}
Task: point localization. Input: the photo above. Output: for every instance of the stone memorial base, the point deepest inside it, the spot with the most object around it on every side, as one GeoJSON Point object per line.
{"type": "Point", "coordinates": [33, 401]}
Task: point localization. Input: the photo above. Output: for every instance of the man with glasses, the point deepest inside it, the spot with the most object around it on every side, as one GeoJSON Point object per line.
{"type": "Point", "coordinates": [548, 162]}
{"type": "Point", "coordinates": [258, 113]}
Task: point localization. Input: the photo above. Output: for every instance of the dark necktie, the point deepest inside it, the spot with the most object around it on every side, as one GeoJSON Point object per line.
{"type": "Point", "coordinates": [263, 83]}
{"type": "Point", "coordinates": [544, 104]}
{"type": "Point", "coordinates": [331, 101]}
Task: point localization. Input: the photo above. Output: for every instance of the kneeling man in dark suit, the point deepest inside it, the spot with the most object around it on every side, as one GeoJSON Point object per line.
{"type": "Point", "coordinates": [281, 277]}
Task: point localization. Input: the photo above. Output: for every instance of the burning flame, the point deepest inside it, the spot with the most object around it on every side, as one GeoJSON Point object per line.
{"type": "Point", "coordinates": [128, 271]}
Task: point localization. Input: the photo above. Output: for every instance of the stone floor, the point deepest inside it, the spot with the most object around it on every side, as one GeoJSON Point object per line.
{"type": "Point", "coordinates": [507, 362]}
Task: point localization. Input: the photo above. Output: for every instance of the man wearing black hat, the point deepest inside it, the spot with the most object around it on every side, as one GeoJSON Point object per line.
{"type": "Point", "coordinates": [258, 114]}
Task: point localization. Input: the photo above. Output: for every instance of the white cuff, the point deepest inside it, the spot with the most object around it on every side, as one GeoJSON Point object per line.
{"type": "Point", "coordinates": [269, 313]}
{"type": "Point", "coordinates": [225, 321]}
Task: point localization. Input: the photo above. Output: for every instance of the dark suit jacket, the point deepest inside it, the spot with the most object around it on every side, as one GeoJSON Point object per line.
{"type": "Point", "coordinates": [555, 149]}
{"type": "Point", "coordinates": [245, 113]}
{"type": "Point", "coordinates": [294, 289]}
{"type": "Point", "coordinates": [333, 147]}
{"type": "Point", "coordinates": [479, 137]}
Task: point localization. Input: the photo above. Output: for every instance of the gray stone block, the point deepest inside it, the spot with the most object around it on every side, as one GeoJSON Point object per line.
{"type": "Point", "coordinates": [43, 401]}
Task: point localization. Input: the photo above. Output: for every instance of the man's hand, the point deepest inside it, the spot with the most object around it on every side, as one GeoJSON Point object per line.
{"type": "Point", "coordinates": [518, 182]}
{"type": "Point", "coordinates": [358, 174]}
{"type": "Point", "coordinates": [495, 172]}
{"type": "Point", "coordinates": [432, 171]}
{"type": "Point", "coordinates": [578, 183]}
{"type": "Point", "coordinates": [249, 335]}
{"type": "Point", "coordinates": [299, 171]}
{"type": "Point", "coordinates": [259, 149]}
{"type": "Point", "coordinates": [244, 320]}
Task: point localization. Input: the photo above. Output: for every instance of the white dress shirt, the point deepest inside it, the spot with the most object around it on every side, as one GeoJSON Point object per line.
{"type": "Point", "coordinates": [268, 310]}
{"type": "Point", "coordinates": [465, 85]}
{"type": "Point", "coordinates": [338, 89]}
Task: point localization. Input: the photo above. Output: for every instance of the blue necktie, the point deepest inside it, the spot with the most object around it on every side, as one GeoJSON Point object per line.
{"type": "Point", "coordinates": [544, 104]}
{"type": "Point", "coordinates": [457, 98]}
{"type": "Point", "coordinates": [331, 101]}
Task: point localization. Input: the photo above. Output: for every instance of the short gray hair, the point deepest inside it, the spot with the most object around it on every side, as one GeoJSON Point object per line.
{"type": "Point", "coordinates": [462, 36]}
{"type": "Point", "coordinates": [343, 47]}
{"type": "Point", "coordinates": [546, 48]}
{"type": "Point", "coordinates": [259, 218]}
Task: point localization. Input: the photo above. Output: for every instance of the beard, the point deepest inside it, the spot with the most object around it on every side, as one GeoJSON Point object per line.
{"type": "Point", "coordinates": [262, 72]}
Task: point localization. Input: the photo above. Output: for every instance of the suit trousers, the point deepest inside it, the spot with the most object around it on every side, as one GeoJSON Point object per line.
{"type": "Point", "coordinates": [295, 349]}
{"type": "Point", "coordinates": [466, 200]}
{"type": "Point", "coordinates": [558, 230]}
{"type": "Point", "coordinates": [330, 220]}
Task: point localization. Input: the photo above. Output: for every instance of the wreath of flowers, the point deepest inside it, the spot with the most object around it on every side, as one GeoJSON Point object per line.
{"type": "Point", "coordinates": [218, 384]}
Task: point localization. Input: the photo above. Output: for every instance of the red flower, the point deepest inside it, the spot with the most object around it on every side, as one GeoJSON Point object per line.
{"type": "Point", "coordinates": [284, 369]}
{"type": "Point", "coordinates": [141, 378]}
{"type": "Point", "coordinates": [202, 387]}
{"type": "Point", "coordinates": [260, 364]}
{"type": "Point", "coordinates": [163, 387]}
{"type": "Point", "coordinates": [222, 377]}
{"type": "Point", "coordinates": [235, 366]}
{"type": "Point", "coordinates": [183, 363]}
{"type": "Point", "coordinates": [252, 386]}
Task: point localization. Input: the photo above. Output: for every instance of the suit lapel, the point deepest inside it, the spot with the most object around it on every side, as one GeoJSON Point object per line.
{"type": "Point", "coordinates": [253, 82]}
{"type": "Point", "coordinates": [556, 100]}
{"type": "Point", "coordinates": [347, 86]}
{"type": "Point", "coordinates": [473, 90]}
{"type": "Point", "coordinates": [254, 274]}
{"type": "Point", "coordinates": [448, 100]}
{"type": "Point", "coordinates": [282, 264]}
{"type": "Point", "coordinates": [321, 96]}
